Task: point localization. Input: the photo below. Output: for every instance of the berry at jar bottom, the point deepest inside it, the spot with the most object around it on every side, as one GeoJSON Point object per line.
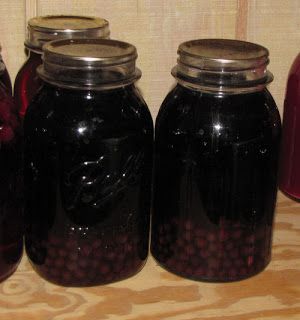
{"type": "Point", "coordinates": [73, 261]}
{"type": "Point", "coordinates": [223, 253]}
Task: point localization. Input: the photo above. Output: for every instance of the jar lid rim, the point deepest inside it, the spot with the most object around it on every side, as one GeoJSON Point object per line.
{"type": "Point", "coordinates": [222, 54]}
{"type": "Point", "coordinates": [222, 64]}
{"type": "Point", "coordinates": [66, 23]}
{"type": "Point", "coordinates": [43, 29]}
{"type": "Point", "coordinates": [89, 63]}
{"type": "Point", "coordinates": [89, 52]}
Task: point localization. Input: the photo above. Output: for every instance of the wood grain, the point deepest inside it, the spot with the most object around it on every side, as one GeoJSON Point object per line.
{"type": "Point", "coordinates": [241, 20]}
{"type": "Point", "coordinates": [31, 9]}
{"type": "Point", "coordinates": [158, 295]}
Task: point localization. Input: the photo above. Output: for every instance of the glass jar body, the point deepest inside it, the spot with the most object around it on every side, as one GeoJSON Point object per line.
{"type": "Point", "coordinates": [215, 183]}
{"type": "Point", "coordinates": [27, 82]}
{"type": "Point", "coordinates": [11, 195]}
{"type": "Point", "coordinates": [88, 163]}
{"type": "Point", "coordinates": [289, 181]}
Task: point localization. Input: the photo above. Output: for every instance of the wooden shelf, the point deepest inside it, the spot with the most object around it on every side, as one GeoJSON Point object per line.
{"type": "Point", "coordinates": [156, 294]}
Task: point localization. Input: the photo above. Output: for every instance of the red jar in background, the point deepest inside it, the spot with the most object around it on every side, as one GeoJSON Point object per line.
{"type": "Point", "coordinates": [289, 181]}
{"type": "Point", "coordinates": [42, 30]}
{"type": "Point", "coordinates": [4, 77]}
{"type": "Point", "coordinates": [11, 190]}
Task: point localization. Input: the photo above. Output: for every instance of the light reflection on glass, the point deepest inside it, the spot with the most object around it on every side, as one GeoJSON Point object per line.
{"type": "Point", "coordinates": [217, 126]}
{"type": "Point", "coordinates": [81, 130]}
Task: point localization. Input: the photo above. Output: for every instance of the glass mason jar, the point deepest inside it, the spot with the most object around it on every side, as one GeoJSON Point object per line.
{"type": "Point", "coordinates": [4, 75]}
{"type": "Point", "coordinates": [289, 178]}
{"type": "Point", "coordinates": [11, 192]}
{"type": "Point", "coordinates": [88, 162]}
{"type": "Point", "coordinates": [216, 148]}
{"type": "Point", "coordinates": [42, 30]}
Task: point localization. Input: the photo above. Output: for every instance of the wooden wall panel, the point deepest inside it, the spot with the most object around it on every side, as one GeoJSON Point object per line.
{"type": "Point", "coordinates": [12, 30]}
{"type": "Point", "coordinates": [157, 27]}
{"type": "Point", "coordinates": [276, 25]}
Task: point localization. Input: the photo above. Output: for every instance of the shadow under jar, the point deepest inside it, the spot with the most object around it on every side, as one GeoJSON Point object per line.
{"type": "Point", "coordinates": [11, 183]}
{"type": "Point", "coordinates": [88, 165]}
{"type": "Point", "coordinates": [216, 153]}
{"type": "Point", "coordinates": [42, 30]}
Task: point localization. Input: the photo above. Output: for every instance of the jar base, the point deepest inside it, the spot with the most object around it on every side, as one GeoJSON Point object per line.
{"type": "Point", "coordinates": [15, 253]}
{"type": "Point", "coordinates": [10, 272]}
{"type": "Point", "coordinates": [292, 195]}
{"type": "Point", "coordinates": [211, 278]}
{"type": "Point", "coordinates": [75, 283]}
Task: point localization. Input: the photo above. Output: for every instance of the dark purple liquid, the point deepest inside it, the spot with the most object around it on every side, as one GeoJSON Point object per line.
{"type": "Point", "coordinates": [215, 184]}
{"type": "Point", "coordinates": [88, 162]}
{"type": "Point", "coordinates": [5, 78]}
{"type": "Point", "coordinates": [289, 181]}
{"type": "Point", "coordinates": [27, 83]}
{"type": "Point", "coordinates": [11, 192]}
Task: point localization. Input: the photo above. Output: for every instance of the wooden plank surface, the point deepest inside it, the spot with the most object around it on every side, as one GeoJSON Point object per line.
{"type": "Point", "coordinates": [158, 295]}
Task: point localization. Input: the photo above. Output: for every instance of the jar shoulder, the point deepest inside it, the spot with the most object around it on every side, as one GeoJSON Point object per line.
{"type": "Point", "coordinates": [113, 110]}
{"type": "Point", "coordinates": [294, 71]}
{"type": "Point", "coordinates": [29, 66]}
{"type": "Point", "coordinates": [191, 110]}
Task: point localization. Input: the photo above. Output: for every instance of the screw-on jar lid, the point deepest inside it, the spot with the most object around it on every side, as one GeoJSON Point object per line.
{"type": "Point", "coordinates": [48, 28]}
{"type": "Point", "coordinates": [92, 64]}
{"type": "Point", "coordinates": [222, 65]}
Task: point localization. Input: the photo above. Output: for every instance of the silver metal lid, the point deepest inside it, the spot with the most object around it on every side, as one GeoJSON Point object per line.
{"type": "Point", "coordinates": [93, 64]}
{"type": "Point", "coordinates": [48, 28]}
{"type": "Point", "coordinates": [222, 65]}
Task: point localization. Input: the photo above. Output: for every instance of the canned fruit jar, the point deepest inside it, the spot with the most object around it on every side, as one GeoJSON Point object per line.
{"type": "Point", "coordinates": [88, 165]}
{"type": "Point", "coordinates": [216, 153]}
{"type": "Point", "coordinates": [42, 30]}
{"type": "Point", "coordinates": [11, 186]}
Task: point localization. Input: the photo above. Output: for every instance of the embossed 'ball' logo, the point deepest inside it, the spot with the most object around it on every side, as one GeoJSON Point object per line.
{"type": "Point", "coordinates": [93, 189]}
